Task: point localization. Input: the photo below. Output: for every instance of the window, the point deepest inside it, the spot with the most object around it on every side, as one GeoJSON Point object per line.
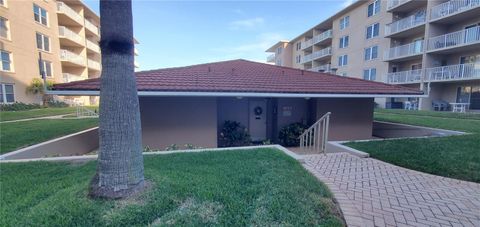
{"type": "Point", "coordinates": [343, 42]}
{"type": "Point", "coordinates": [344, 22]}
{"type": "Point", "coordinates": [40, 15]}
{"type": "Point", "coordinates": [43, 42]}
{"type": "Point", "coordinates": [279, 50]}
{"type": "Point", "coordinates": [370, 74]}
{"type": "Point", "coordinates": [371, 53]}
{"type": "Point", "coordinates": [46, 67]}
{"type": "Point", "coordinates": [373, 30]}
{"type": "Point", "coordinates": [299, 46]}
{"type": "Point", "coordinates": [298, 58]}
{"type": "Point", "coordinates": [6, 93]}
{"type": "Point", "coordinates": [3, 3]}
{"type": "Point", "coordinates": [3, 27]}
{"type": "Point", "coordinates": [6, 62]}
{"type": "Point", "coordinates": [343, 60]}
{"type": "Point", "coordinates": [373, 8]}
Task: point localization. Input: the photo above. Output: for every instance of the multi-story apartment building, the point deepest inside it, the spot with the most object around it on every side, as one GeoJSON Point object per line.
{"type": "Point", "coordinates": [58, 38]}
{"type": "Point", "coordinates": [429, 45]}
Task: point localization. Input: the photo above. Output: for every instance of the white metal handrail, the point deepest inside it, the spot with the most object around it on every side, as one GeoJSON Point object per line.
{"type": "Point", "coordinates": [315, 138]}
{"type": "Point", "coordinates": [453, 72]}
{"type": "Point", "coordinates": [404, 50]}
{"type": "Point", "coordinates": [317, 54]}
{"type": "Point", "coordinates": [452, 7]}
{"type": "Point", "coordinates": [410, 76]}
{"type": "Point", "coordinates": [406, 23]}
{"type": "Point", "coordinates": [394, 3]}
{"type": "Point", "coordinates": [64, 8]}
{"type": "Point", "coordinates": [82, 111]}
{"type": "Point", "coordinates": [458, 38]}
{"type": "Point", "coordinates": [318, 38]}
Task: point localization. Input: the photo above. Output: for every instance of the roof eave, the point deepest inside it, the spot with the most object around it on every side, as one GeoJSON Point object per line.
{"type": "Point", "coordinates": [238, 94]}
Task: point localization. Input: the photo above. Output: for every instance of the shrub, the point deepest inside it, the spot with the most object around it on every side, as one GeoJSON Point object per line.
{"type": "Point", "coordinates": [56, 104]}
{"type": "Point", "coordinates": [288, 135]}
{"type": "Point", "coordinates": [233, 134]}
{"type": "Point", "coordinates": [18, 106]}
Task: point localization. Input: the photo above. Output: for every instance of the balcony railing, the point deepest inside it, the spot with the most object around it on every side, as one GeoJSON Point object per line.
{"type": "Point", "coordinates": [93, 46]}
{"type": "Point", "coordinates": [271, 58]}
{"type": "Point", "coordinates": [91, 27]}
{"type": "Point", "coordinates": [454, 72]}
{"type": "Point", "coordinates": [394, 3]}
{"type": "Point", "coordinates": [452, 7]}
{"type": "Point", "coordinates": [459, 38]}
{"type": "Point", "coordinates": [68, 77]}
{"type": "Point", "coordinates": [135, 51]}
{"type": "Point", "coordinates": [321, 68]}
{"type": "Point", "coordinates": [316, 39]}
{"type": "Point", "coordinates": [317, 54]}
{"type": "Point", "coordinates": [66, 55]}
{"type": "Point", "coordinates": [64, 32]}
{"type": "Point", "coordinates": [92, 64]}
{"type": "Point", "coordinates": [404, 50]}
{"type": "Point", "coordinates": [406, 23]}
{"type": "Point", "coordinates": [135, 63]}
{"type": "Point", "coordinates": [65, 9]}
{"type": "Point", "coordinates": [410, 76]}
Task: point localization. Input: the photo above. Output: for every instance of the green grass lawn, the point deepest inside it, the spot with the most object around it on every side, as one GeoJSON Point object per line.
{"type": "Point", "coordinates": [454, 156]}
{"type": "Point", "coordinates": [16, 135]}
{"type": "Point", "coordinates": [44, 112]}
{"type": "Point", "coordinates": [262, 187]}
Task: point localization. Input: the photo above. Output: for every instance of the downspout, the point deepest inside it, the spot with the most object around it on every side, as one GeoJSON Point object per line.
{"type": "Point", "coordinates": [42, 72]}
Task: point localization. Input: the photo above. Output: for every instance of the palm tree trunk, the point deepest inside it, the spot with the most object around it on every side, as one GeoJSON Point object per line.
{"type": "Point", "coordinates": [120, 161]}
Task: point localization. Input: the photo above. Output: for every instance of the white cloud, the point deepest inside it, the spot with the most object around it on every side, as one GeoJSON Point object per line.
{"type": "Point", "coordinates": [247, 23]}
{"type": "Point", "coordinates": [347, 3]}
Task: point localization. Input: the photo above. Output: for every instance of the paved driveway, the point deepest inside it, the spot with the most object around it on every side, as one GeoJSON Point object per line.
{"type": "Point", "coordinates": [375, 193]}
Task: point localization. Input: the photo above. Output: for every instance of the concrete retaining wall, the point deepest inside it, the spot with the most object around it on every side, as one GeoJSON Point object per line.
{"type": "Point", "coordinates": [74, 144]}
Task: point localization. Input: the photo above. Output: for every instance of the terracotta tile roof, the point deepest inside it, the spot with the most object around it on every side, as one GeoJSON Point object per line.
{"type": "Point", "coordinates": [247, 76]}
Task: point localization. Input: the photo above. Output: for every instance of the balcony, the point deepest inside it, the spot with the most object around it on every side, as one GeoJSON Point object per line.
{"type": "Point", "coordinates": [135, 64]}
{"type": "Point", "coordinates": [455, 41]}
{"type": "Point", "coordinates": [321, 68]}
{"type": "Point", "coordinates": [454, 72]}
{"type": "Point", "coordinates": [317, 39]}
{"type": "Point", "coordinates": [271, 58]}
{"type": "Point", "coordinates": [92, 46]}
{"type": "Point", "coordinates": [71, 59]}
{"type": "Point", "coordinates": [68, 77]}
{"type": "Point", "coordinates": [135, 51]}
{"type": "Point", "coordinates": [67, 12]}
{"type": "Point", "coordinates": [406, 24]}
{"type": "Point", "coordinates": [405, 77]}
{"type": "Point", "coordinates": [317, 55]}
{"type": "Point", "coordinates": [69, 37]}
{"type": "Point", "coordinates": [95, 65]}
{"type": "Point", "coordinates": [453, 8]}
{"type": "Point", "coordinates": [404, 52]}
{"type": "Point", "coordinates": [405, 6]}
{"type": "Point", "coordinates": [92, 28]}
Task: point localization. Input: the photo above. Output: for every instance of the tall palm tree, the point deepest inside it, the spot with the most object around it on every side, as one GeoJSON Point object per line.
{"type": "Point", "coordinates": [120, 161]}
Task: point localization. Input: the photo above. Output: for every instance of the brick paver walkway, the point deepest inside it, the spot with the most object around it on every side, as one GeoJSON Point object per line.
{"type": "Point", "coordinates": [375, 193]}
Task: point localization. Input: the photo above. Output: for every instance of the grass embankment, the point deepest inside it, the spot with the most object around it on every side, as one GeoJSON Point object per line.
{"type": "Point", "coordinates": [263, 187]}
{"type": "Point", "coordinates": [44, 112]}
{"type": "Point", "coordinates": [454, 156]}
{"type": "Point", "coordinates": [16, 135]}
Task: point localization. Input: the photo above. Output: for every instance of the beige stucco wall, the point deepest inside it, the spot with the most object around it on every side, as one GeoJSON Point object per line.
{"type": "Point", "coordinates": [351, 118]}
{"type": "Point", "coordinates": [185, 120]}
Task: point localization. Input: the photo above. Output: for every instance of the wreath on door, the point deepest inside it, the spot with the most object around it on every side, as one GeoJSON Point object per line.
{"type": "Point", "coordinates": [258, 110]}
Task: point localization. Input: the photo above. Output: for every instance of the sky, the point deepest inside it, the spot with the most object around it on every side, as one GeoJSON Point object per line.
{"type": "Point", "coordinates": [180, 33]}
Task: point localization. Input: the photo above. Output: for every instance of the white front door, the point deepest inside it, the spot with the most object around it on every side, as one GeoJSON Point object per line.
{"type": "Point", "coordinates": [258, 120]}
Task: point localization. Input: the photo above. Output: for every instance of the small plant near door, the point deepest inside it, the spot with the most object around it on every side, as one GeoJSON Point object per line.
{"type": "Point", "coordinates": [288, 135]}
{"type": "Point", "coordinates": [233, 134]}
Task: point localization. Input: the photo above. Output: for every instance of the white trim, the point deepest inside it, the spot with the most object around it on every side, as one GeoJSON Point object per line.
{"type": "Point", "coordinates": [93, 157]}
{"type": "Point", "coordinates": [238, 94]}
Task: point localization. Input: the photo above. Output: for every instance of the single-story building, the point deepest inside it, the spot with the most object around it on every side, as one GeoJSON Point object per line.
{"type": "Point", "coordinates": [188, 105]}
